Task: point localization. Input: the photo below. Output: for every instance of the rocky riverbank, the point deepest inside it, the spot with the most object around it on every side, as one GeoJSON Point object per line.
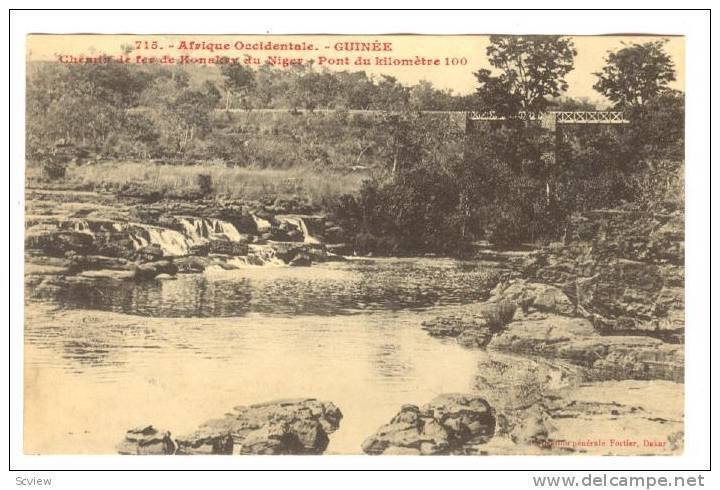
{"type": "Point", "coordinates": [611, 299]}
{"type": "Point", "coordinates": [280, 427]}
{"type": "Point", "coordinates": [595, 317]}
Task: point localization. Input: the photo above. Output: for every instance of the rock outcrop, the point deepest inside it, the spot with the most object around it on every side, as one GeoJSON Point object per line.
{"type": "Point", "coordinates": [548, 406]}
{"type": "Point", "coordinates": [297, 426]}
{"type": "Point", "coordinates": [604, 356]}
{"type": "Point", "coordinates": [622, 269]}
{"type": "Point", "coordinates": [473, 326]}
{"type": "Point", "coordinates": [530, 296]}
{"type": "Point", "coordinates": [449, 424]}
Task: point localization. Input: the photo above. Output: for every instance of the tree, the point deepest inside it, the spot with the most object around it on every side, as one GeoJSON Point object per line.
{"type": "Point", "coordinates": [531, 69]}
{"type": "Point", "coordinates": [180, 113]}
{"type": "Point", "coordinates": [635, 74]}
{"type": "Point", "coordinates": [83, 105]}
{"type": "Point", "coordinates": [238, 80]}
{"type": "Point", "coordinates": [389, 94]}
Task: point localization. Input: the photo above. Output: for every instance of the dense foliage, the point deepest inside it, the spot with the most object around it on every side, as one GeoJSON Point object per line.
{"type": "Point", "coordinates": [434, 184]}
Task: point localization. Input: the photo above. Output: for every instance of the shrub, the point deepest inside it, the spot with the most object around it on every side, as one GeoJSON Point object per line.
{"type": "Point", "coordinates": [53, 170]}
{"type": "Point", "coordinates": [205, 183]}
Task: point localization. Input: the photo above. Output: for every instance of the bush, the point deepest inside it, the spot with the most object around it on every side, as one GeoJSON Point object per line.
{"type": "Point", "coordinates": [205, 183]}
{"type": "Point", "coordinates": [416, 212]}
{"type": "Point", "coordinates": [53, 170]}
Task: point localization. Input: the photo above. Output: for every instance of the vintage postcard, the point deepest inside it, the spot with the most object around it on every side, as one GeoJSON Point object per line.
{"type": "Point", "coordinates": [354, 244]}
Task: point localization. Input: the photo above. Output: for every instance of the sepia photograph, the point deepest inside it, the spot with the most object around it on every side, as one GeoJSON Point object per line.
{"type": "Point", "coordinates": [365, 245]}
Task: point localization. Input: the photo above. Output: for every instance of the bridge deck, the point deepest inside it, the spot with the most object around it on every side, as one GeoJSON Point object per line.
{"type": "Point", "coordinates": [560, 117]}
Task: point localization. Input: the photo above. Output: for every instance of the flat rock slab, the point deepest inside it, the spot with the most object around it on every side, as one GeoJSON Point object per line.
{"type": "Point", "coordinates": [605, 356]}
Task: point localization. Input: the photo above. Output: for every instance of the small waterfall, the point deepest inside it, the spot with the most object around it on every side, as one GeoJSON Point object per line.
{"type": "Point", "coordinates": [299, 223]}
{"type": "Point", "coordinates": [308, 238]}
{"type": "Point", "coordinates": [195, 229]}
{"type": "Point", "coordinates": [228, 229]}
{"type": "Point", "coordinates": [138, 241]}
{"type": "Point", "coordinates": [263, 225]}
{"type": "Point", "coordinates": [173, 243]}
{"type": "Point", "coordinates": [200, 230]}
{"type": "Point", "coordinates": [82, 226]}
{"type": "Point", "coordinates": [262, 255]}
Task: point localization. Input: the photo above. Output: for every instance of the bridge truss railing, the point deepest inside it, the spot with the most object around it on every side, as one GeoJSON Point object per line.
{"type": "Point", "coordinates": [558, 117]}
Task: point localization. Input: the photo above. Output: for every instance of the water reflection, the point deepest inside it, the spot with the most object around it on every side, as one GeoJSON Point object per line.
{"type": "Point", "coordinates": [102, 357]}
{"type": "Point", "coordinates": [325, 289]}
{"type": "Point", "coordinates": [184, 371]}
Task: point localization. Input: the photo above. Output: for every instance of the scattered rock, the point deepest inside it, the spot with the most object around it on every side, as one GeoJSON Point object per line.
{"type": "Point", "coordinates": [450, 424]}
{"type": "Point", "coordinates": [473, 327]}
{"type": "Point", "coordinates": [147, 441]}
{"type": "Point", "coordinates": [56, 243]}
{"type": "Point", "coordinates": [282, 427]}
{"type": "Point", "coordinates": [32, 269]}
{"type": "Point", "coordinates": [475, 338]}
{"type": "Point", "coordinates": [300, 260]}
{"type": "Point", "coordinates": [151, 269]}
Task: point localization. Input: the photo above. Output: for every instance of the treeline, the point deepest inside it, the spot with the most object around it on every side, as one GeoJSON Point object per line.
{"type": "Point", "coordinates": [131, 111]}
{"type": "Point", "coordinates": [303, 87]}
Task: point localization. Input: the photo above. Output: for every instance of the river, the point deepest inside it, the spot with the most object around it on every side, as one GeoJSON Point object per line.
{"type": "Point", "coordinates": [105, 356]}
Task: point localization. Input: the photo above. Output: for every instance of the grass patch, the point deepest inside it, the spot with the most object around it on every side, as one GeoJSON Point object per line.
{"type": "Point", "coordinates": [316, 187]}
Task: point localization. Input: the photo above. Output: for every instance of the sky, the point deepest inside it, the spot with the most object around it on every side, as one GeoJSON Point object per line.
{"type": "Point", "coordinates": [469, 53]}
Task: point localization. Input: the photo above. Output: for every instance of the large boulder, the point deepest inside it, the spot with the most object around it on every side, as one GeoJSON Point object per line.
{"type": "Point", "coordinates": [147, 441]}
{"type": "Point", "coordinates": [226, 247]}
{"type": "Point", "coordinates": [96, 262]}
{"type": "Point", "coordinates": [148, 253]}
{"type": "Point", "coordinates": [531, 296]}
{"type": "Point", "coordinates": [152, 269]}
{"type": "Point", "coordinates": [298, 426]}
{"type": "Point", "coordinates": [119, 275]}
{"type": "Point", "coordinates": [449, 424]}
{"type": "Point", "coordinates": [191, 264]}
{"type": "Point", "coordinates": [300, 260]}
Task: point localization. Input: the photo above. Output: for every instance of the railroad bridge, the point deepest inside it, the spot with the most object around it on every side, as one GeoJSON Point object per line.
{"type": "Point", "coordinates": [552, 118]}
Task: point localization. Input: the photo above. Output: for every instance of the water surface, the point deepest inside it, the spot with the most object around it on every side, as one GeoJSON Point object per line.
{"type": "Point", "coordinates": [105, 356]}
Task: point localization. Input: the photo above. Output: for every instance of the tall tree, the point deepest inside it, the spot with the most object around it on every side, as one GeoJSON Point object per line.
{"type": "Point", "coordinates": [239, 80]}
{"type": "Point", "coordinates": [531, 69]}
{"type": "Point", "coordinates": [635, 74]}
